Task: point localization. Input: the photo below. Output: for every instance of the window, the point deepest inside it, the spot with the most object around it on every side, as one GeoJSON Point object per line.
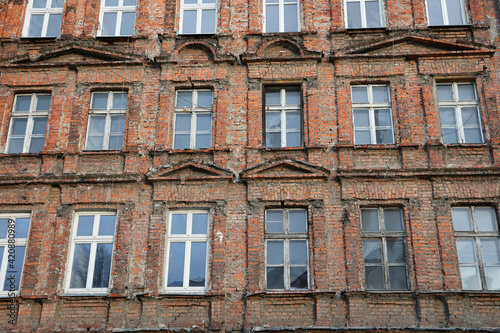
{"type": "Point", "coordinates": [459, 113]}
{"type": "Point", "coordinates": [287, 249]}
{"type": "Point", "coordinates": [193, 119]}
{"type": "Point", "coordinates": [14, 230]}
{"type": "Point", "coordinates": [117, 18]}
{"type": "Point", "coordinates": [43, 18]}
{"type": "Point", "coordinates": [384, 249]}
{"type": "Point", "coordinates": [364, 14]}
{"type": "Point", "coordinates": [283, 119]}
{"type": "Point", "coordinates": [187, 251]}
{"type": "Point", "coordinates": [478, 247]}
{"type": "Point", "coordinates": [107, 121]}
{"type": "Point", "coordinates": [446, 12]}
{"type": "Point", "coordinates": [28, 123]}
{"type": "Point", "coordinates": [91, 252]}
{"type": "Point", "coordinates": [372, 113]}
{"type": "Point", "coordinates": [281, 16]}
{"type": "Point", "coordinates": [198, 16]}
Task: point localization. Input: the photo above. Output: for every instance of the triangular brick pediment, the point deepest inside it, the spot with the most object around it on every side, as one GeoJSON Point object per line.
{"type": "Point", "coordinates": [285, 169]}
{"type": "Point", "coordinates": [190, 171]}
{"type": "Point", "coordinates": [414, 46]}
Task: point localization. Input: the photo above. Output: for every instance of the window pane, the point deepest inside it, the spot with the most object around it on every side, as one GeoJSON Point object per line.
{"type": "Point", "coordinates": [198, 264]}
{"type": "Point", "coordinates": [19, 126]}
{"type": "Point", "coordinates": [353, 15]}
{"type": "Point", "coordinates": [107, 225]}
{"type": "Point", "coordinates": [275, 278]}
{"type": "Point", "coordinates": [472, 135]}
{"type": "Point", "coordinates": [36, 145]}
{"type": "Point", "coordinates": [115, 142]}
{"type": "Point", "coordinates": [100, 101]}
{"type": "Point", "coordinates": [298, 252]}
{"type": "Point", "coordinates": [380, 93]}
{"type": "Point", "coordinates": [372, 14]}
{"type": "Point", "coordinates": [184, 99]}
{"type": "Point", "coordinates": [118, 123]}
{"type": "Point", "coordinates": [85, 225]}
{"type": "Point", "coordinates": [204, 122]}
{"type": "Point", "coordinates": [36, 23]}
{"type": "Point", "coordinates": [362, 137]}
{"type": "Point", "coordinates": [450, 135]}
{"type": "Point", "coordinates": [491, 250]}
{"type": "Point", "coordinates": [176, 265]}
{"type": "Point", "coordinates": [203, 141]}
{"type": "Point", "coordinates": [39, 3]}
{"type": "Point", "coordinates": [182, 141]}
{"type": "Point", "coordinates": [455, 14]}
{"type": "Point", "coordinates": [384, 136]}
{"type": "Point", "coordinates": [470, 116]}
{"type": "Point", "coordinates": [39, 125]}
{"type": "Point", "coordinates": [292, 97]}
{"type": "Point", "coordinates": [291, 20]}
{"type": "Point", "coordinates": [205, 99]}
{"type": "Point", "coordinates": [382, 117]}
{"type": "Point", "coordinates": [182, 122]}
{"type": "Point", "coordinates": [361, 118]}
{"type": "Point", "coordinates": [298, 277]}
{"type": "Point", "coordinates": [274, 221]}
{"type": "Point", "coordinates": [200, 224]}
{"type": "Point", "coordinates": [444, 91]}
{"type": "Point", "coordinates": [492, 277]}
{"type": "Point", "coordinates": [395, 251]}
{"type": "Point", "coordinates": [15, 270]}
{"type": "Point", "coordinates": [22, 227]}
{"type": "Point", "coordinates": [189, 22]}
{"type": "Point", "coordinates": [97, 124]}
{"type": "Point", "coordinates": [54, 26]}
{"type": "Point", "coordinates": [369, 219]}
{"type": "Point", "coordinates": [374, 278]}
{"type": "Point", "coordinates": [179, 223]}
{"type": "Point", "coordinates": [102, 267]}
{"type": "Point", "coordinates": [297, 220]}
{"type": "Point", "coordinates": [95, 142]}
{"type": "Point", "coordinates": [23, 103]}
{"type": "Point", "coordinates": [470, 278]}
{"type": "Point", "coordinates": [293, 139]}
{"type": "Point", "coordinates": [57, 4]}
{"type": "Point", "coordinates": [435, 12]}
{"type": "Point", "coordinates": [273, 97]}
{"type": "Point", "coordinates": [462, 219]}
{"type": "Point", "coordinates": [128, 24]}
{"type": "Point", "coordinates": [466, 249]}
{"type": "Point", "coordinates": [275, 255]}
{"type": "Point", "coordinates": [392, 219]}
{"type": "Point", "coordinates": [273, 140]}
{"type": "Point", "coordinates": [372, 251]}
{"type": "Point", "coordinates": [208, 21]}
{"type": "Point", "coordinates": [293, 120]}
{"type": "Point", "coordinates": [16, 146]}
{"type": "Point", "coordinates": [80, 266]}
{"type": "Point", "coordinates": [447, 116]}
{"type": "Point", "coordinates": [272, 18]}
{"type": "Point", "coordinates": [109, 24]}
{"type": "Point", "coordinates": [359, 94]}
{"type": "Point", "coordinates": [111, 3]}
{"type": "Point", "coordinates": [42, 103]}
{"type": "Point", "coordinates": [273, 120]}
{"type": "Point", "coordinates": [486, 219]}
{"type": "Point", "coordinates": [129, 2]}
{"type": "Point", "coordinates": [120, 101]}
{"type": "Point", "coordinates": [4, 223]}
{"type": "Point", "coordinates": [466, 92]}
{"type": "Point", "coordinates": [397, 278]}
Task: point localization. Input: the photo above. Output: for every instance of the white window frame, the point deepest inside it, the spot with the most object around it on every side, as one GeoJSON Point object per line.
{"type": "Point", "coordinates": [383, 235]}
{"type": "Point", "coordinates": [119, 10]}
{"type": "Point", "coordinates": [477, 236]}
{"type": "Point", "coordinates": [108, 112]}
{"type": "Point", "coordinates": [199, 7]}
{"type": "Point", "coordinates": [93, 241]}
{"type": "Point", "coordinates": [4, 265]}
{"type": "Point", "coordinates": [32, 113]}
{"type": "Point", "coordinates": [283, 109]}
{"type": "Point", "coordinates": [47, 11]}
{"type": "Point", "coordinates": [195, 110]}
{"type": "Point", "coordinates": [457, 105]}
{"type": "Point", "coordinates": [444, 11]}
{"type": "Point", "coordinates": [371, 106]}
{"type": "Point", "coordinates": [187, 239]}
{"type": "Point", "coordinates": [286, 236]}
{"type": "Point", "coordinates": [362, 5]}
{"type": "Point", "coordinates": [281, 13]}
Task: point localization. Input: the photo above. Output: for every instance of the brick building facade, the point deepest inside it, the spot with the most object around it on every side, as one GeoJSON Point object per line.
{"type": "Point", "coordinates": [249, 165]}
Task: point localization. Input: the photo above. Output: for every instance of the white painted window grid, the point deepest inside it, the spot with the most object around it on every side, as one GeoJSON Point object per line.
{"type": "Point", "coordinates": [43, 18]}
{"type": "Point", "coordinates": [460, 128]}
{"type": "Point", "coordinates": [6, 262]}
{"type": "Point", "coordinates": [114, 115]}
{"type": "Point", "coordinates": [286, 20]}
{"type": "Point", "coordinates": [478, 246]}
{"type": "Point", "coordinates": [379, 132]}
{"type": "Point", "coordinates": [199, 131]}
{"type": "Point", "coordinates": [364, 14]}
{"type": "Point", "coordinates": [205, 17]}
{"type": "Point", "coordinates": [446, 12]}
{"type": "Point", "coordinates": [287, 236]}
{"type": "Point", "coordinates": [94, 240]}
{"type": "Point", "coordinates": [188, 238]}
{"type": "Point", "coordinates": [122, 12]}
{"type": "Point", "coordinates": [35, 116]}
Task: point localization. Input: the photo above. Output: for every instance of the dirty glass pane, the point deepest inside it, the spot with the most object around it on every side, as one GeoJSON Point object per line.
{"type": "Point", "coordinates": [23, 103]}
{"type": "Point", "coordinates": [372, 251]}
{"type": "Point", "coordinates": [54, 26]}
{"type": "Point", "coordinates": [362, 137]}
{"type": "Point", "coordinates": [176, 265]}
{"type": "Point", "coordinates": [36, 145]}
{"type": "Point", "coordinates": [372, 14]}
{"type": "Point", "coordinates": [39, 125]}
{"type": "Point", "coordinates": [435, 12]}
{"type": "Point", "coordinates": [208, 21]}
{"type": "Point", "coordinates": [491, 250]}
{"type": "Point", "coordinates": [4, 224]}
{"type": "Point", "coordinates": [39, 3]}
{"type": "Point", "coordinates": [205, 99]}
{"type": "Point", "coordinates": [455, 12]}
{"type": "Point", "coordinates": [204, 122]}
{"type": "Point", "coordinates": [16, 270]}
{"type": "Point", "coordinates": [466, 249]}
{"type": "Point", "coordinates": [273, 97]}
{"type": "Point", "coordinates": [470, 116]}
{"type": "Point", "coordinates": [395, 251]}
{"type": "Point", "coordinates": [470, 278]}
{"type": "Point", "coordinates": [492, 274]}
{"type": "Point", "coordinates": [291, 20]}
{"type": "Point", "coordinates": [16, 145]}
{"type": "Point", "coordinates": [462, 219]}
{"type": "Point", "coordinates": [273, 140]}
{"type": "Point", "coordinates": [397, 278]}
{"type": "Point", "coordinates": [384, 136]}
{"type": "Point", "coordinates": [445, 92]}
{"type": "Point", "coordinates": [107, 225]}
{"type": "Point", "coordinates": [293, 120]}
{"type": "Point", "coordinates": [374, 278]}
{"type": "Point", "coordinates": [293, 139]}
{"type": "Point", "coordinates": [466, 92]}
{"type": "Point", "coordinates": [450, 135]}
{"type": "Point", "coordinates": [353, 15]}
{"type": "Point", "coordinates": [292, 97]}
{"type": "Point", "coordinates": [117, 123]}
{"type": "Point", "coordinates": [272, 18]}
{"type": "Point", "coordinates": [127, 25]}
{"type": "Point", "coordinates": [361, 118]}
{"type": "Point", "coordinates": [129, 2]}
{"type": "Point", "coordinates": [275, 254]}
{"type": "Point", "coordinates": [95, 142]}
{"type": "Point", "coordinates": [298, 252]}
{"type": "Point", "coordinates": [203, 141]}
{"type": "Point", "coordinates": [274, 221]}
{"type": "Point", "coordinates": [369, 219]}
{"type": "Point", "coordinates": [19, 126]}
{"type": "Point", "coordinates": [97, 124]}
{"type": "Point", "coordinates": [99, 101]}
{"type": "Point", "coordinates": [359, 94]}
{"type": "Point", "coordinates": [273, 120]}
{"type": "Point", "coordinates": [119, 101]}
{"type": "Point", "coordinates": [36, 24]}
{"type": "Point", "coordinates": [190, 2]}
{"type": "Point", "coordinates": [182, 141]}
{"type": "Point", "coordinates": [380, 94]}
{"type": "Point", "coordinates": [275, 278]}
{"type": "Point", "coordinates": [298, 277]}
{"type": "Point", "coordinates": [109, 24]}
{"type": "Point", "coordinates": [198, 264]}
{"type": "Point", "coordinates": [184, 99]}
{"type": "Point", "coordinates": [102, 267]}
{"type": "Point", "coordinates": [111, 3]}
{"type": "Point", "coordinates": [182, 122]}
{"type": "Point", "coordinates": [486, 219]}
{"type": "Point", "coordinates": [22, 227]}
{"type": "Point", "coordinates": [200, 224]}
{"type": "Point", "coordinates": [297, 220]}
{"type": "Point", "coordinates": [179, 223]}
{"type": "Point", "coordinates": [189, 22]}
{"type": "Point", "coordinates": [472, 135]}
{"type": "Point", "coordinates": [392, 219]}
{"type": "Point", "coordinates": [448, 117]}
{"type": "Point", "coordinates": [43, 103]}
{"type": "Point", "coordinates": [382, 117]}
{"type": "Point", "coordinates": [85, 225]}
{"type": "Point", "coordinates": [80, 267]}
